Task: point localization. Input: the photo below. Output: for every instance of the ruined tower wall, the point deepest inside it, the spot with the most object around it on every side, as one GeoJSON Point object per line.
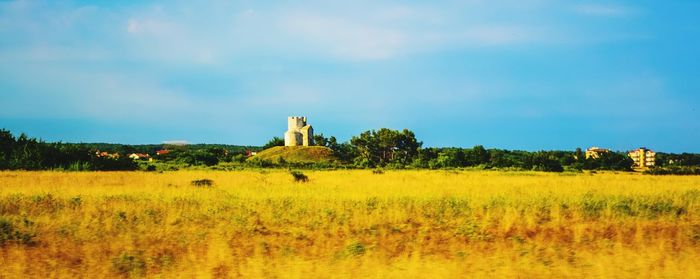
{"type": "Point", "coordinates": [295, 123]}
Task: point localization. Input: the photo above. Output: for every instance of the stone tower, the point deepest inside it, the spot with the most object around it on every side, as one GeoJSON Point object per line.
{"type": "Point", "coordinates": [298, 132]}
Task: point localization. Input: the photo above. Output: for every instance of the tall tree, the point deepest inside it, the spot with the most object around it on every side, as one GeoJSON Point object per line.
{"type": "Point", "coordinates": [385, 146]}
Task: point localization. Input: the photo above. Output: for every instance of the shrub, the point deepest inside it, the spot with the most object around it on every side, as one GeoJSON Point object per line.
{"type": "Point", "coordinates": [8, 233]}
{"type": "Point", "coordinates": [202, 182]}
{"type": "Point", "coordinates": [299, 176]}
{"type": "Point", "coordinates": [356, 249]}
{"type": "Point", "coordinates": [129, 264]}
{"type": "Point", "coordinates": [275, 141]}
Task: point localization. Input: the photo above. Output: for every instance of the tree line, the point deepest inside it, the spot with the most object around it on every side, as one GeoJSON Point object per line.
{"type": "Point", "coordinates": [387, 148]}
{"type": "Point", "coordinates": [383, 148]}
{"type": "Point", "coordinates": [25, 153]}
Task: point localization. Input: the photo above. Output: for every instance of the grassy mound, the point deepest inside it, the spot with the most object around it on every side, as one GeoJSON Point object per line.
{"type": "Point", "coordinates": [296, 154]}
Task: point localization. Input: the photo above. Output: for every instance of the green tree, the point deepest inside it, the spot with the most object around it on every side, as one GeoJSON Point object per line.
{"type": "Point", "coordinates": [379, 148]}
{"type": "Point", "coordinates": [450, 158]}
{"type": "Point", "coordinates": [478, 155]}
{"type": "Point", "coordinates": [275, 141]}
{"type": "Point", "coordinates": [320, 140]}
{"type": "Point", "coordinates": [426, 158]}
{"type": "Point", "coordinates": [544, 161]}
{"type": "Point", "coordinates": [7, 143]}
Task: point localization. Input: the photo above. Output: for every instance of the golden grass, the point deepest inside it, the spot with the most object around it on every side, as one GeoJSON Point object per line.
{"type": "Point", "coordinates": [349, 224]}
{"type": "Point", "coordinates": [296, 154]}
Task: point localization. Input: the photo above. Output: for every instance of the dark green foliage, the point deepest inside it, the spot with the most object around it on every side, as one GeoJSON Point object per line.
{"type": "Point", "coordinates": [385, 146]}
{"type": "Point", "coordinates": [680, 160]}
{"type": "Point", "coordinates": [205, 157]}
{"type": "Point", "coordinates": [343, 151]}
{"type": "Point", "coordinates": [476, 156]}
{"type": "Point", "coordinates": [31, 154]}
{"type": "Point", "coordinates": [450, 158]}
{"type": "Point", "coordinates": [507, 158]}
{"type": "Point", "coordinates": [375, 148]}
{"type": "Point", "coordinates": [543, 161]}
{"type": "Point", "coordinates": [122, 163]}
{"type": "Point", "coordinates": [320, 140]}
{"type": "Point", "coordinates": [153, 148]}
{"type": "Point", "coordinates": [609, 161]}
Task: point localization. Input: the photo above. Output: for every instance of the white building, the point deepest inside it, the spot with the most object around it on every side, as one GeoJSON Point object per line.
{"type": "Point", "coordinates": [298, 132]}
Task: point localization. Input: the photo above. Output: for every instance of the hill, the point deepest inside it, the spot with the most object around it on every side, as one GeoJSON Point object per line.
{"type": "Point", "coordinates": [296, 154]}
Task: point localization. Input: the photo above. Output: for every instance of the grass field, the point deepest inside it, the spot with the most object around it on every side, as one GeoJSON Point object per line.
{"type": "Point", "coordinates": [349, 224]}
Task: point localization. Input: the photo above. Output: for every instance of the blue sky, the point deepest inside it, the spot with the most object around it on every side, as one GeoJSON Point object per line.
{"type": "Point", "coordinates": [516, 74]}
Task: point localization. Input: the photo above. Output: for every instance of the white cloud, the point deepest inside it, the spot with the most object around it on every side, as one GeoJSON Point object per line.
{"type": "Point", "coordinates": [346, 38]}
{"type": "Point", "coordinates": [216, 34]}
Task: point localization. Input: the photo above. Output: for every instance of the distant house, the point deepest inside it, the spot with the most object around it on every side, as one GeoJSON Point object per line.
{"type": "Point", "coordinates": [249, 153]}
{"type": "Point", "coordinates": [643, 158]}
{"type": "Point", "coordinates": [162, 152]}
{"type": "Point", "coordinates": [139, 156]}
{"type": "Point", "coordinates": [104, 154]}
{"type": "Point", "coordinates": [595, 152]}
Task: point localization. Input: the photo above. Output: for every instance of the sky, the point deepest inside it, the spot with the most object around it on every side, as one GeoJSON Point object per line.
{"type": "Point", "coordinates": [513, 74]}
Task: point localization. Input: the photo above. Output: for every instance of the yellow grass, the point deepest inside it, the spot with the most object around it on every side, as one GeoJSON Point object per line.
{"type": "Point", "coordinates": [349, 224]}
{"type": "Point", "coordinates": [296, 154]}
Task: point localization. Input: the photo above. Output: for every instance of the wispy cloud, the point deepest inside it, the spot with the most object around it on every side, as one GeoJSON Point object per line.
{"type": "Point", "coordinates": [221, 32]}
{"type": "Point", "coordinates": [346, 38]}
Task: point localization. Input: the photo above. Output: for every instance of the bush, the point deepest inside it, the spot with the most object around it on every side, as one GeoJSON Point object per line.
{"type": "Point", "coordinates": [202, 183]}
{"type": "Point", "coordinates": [9, 233]}
{"type": "Point", "coordinates": [355, 249]}
{"type": "Point", "coordinates": [275, 141]}
{"type": "Point", "coordinates": [129, 264]}
{"type": "Point", "coordinates": [299, 176]}
{"type": "Point", "coordinates": [255, 162]}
